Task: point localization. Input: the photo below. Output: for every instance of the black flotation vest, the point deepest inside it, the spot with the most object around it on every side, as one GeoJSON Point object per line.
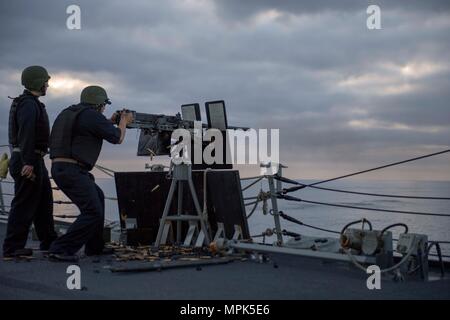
{"type": "Point", "coordinates": [61, 137]}
{"type": "Point", "coordinates": [42, 129]}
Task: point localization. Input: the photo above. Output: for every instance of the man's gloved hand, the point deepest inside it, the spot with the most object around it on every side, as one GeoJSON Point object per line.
{"type": "Point", "coordinates": [127, 116]}
{"type": "Point", "coordinates": [115, 117]}
{"type": "Point", "coordinates": [27, 172]}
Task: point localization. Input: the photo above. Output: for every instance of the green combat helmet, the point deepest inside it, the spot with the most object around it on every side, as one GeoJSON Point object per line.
{"type": "Point", "coordinates": [94, 95]}
{"type": "Point", "coordinates": [34, 78]}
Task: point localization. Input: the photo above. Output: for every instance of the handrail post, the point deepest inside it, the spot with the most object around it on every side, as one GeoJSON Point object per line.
{"type": "Point", "coordinates": [2, 200]}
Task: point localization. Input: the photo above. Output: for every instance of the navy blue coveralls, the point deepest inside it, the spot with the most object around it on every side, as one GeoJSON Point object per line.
{"type": "Point", "coordinates": [89, 130]}
{"type": "Point", "coordinates": [33, 199]}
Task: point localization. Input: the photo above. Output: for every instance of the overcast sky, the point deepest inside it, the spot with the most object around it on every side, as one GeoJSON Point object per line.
{"type": "Point", "coordinates": [345, 98]}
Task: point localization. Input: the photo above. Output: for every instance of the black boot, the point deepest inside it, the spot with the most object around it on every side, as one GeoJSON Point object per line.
{"type": "Point", "coordinates": [62, 257]}
{"type": "Point", "coordinates": [19, 252]}
{"type": "Point", "coordinates": [104, 252]}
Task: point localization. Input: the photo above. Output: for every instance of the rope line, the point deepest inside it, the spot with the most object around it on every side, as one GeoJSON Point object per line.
{"type": "Point", "coordinates": [253, 183]}
{"type": "Point", "coordinates": [301, 186]}
{"type": "Point", "coordinates": [104, 168]}
{"type": "Point", "coordinates": [62, 202]}
{"type": "Point", "coordinates": [381, 167]}
{"type": "Point", "coordinates": [106, 171]}
{"type": "Point", "coordinates": [251, 178]}
{"type": "Point", "coordinates": [291, 219]}
{"type": "Point", "coordinates": [290, 198]}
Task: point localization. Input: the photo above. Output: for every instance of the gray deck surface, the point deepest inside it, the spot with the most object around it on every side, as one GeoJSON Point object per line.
{"type": "Point", "coordinates": [294, 278]}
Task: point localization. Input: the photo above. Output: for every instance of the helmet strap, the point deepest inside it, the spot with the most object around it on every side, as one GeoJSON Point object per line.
{"type": "Point", "coordinates": [99, 107]}
{"type": "Point", "coordinates": [43, 91]}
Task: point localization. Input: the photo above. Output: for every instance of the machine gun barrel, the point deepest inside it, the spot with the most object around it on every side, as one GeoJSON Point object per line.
{"type": "Point", "coordinates": [161, 122]}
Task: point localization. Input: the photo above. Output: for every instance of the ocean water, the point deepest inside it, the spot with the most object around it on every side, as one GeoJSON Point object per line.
{"type": "Point", "coordinates": [437, 228]}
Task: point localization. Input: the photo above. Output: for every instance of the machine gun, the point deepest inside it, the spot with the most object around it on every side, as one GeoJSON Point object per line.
{"type": "Point", "coordinates": [156, 129]}
{"type": "Point", "coordinates": [157, 122]}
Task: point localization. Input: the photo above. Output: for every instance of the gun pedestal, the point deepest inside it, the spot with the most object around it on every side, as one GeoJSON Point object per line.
{"type": "Point", "coordinates": [180, 173]}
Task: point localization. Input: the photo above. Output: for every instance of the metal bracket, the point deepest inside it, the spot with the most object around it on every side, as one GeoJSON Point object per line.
{"type": "Point", "coordinates": [167, 233]}
{"type": "Point", "coordinates": [276, 212]}
{"type": "Point", "coordinates": [237, 235]}
{"type": "Point", "coordinates": [180, 173]}
{"type": "Point", "coordinates": [200, 239]}
{"type": "Point", "coordinates": [190, 233]}
{"type": "Point", "coordinates": [220, 233]}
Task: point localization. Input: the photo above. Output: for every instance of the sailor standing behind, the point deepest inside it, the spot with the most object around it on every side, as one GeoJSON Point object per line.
{"type": "Point", "coordinates": [75, 144]}
{"type": "Point", "coordinates": [28, 137]}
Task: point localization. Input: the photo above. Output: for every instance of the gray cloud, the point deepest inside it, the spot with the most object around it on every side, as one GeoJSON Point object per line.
{"type": "Point", "coordinates": [335, 89]}
{"type": "Point", "coordinates": [235, 9]}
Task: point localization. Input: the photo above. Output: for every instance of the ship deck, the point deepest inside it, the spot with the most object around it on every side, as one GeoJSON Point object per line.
{"type": "Point", "coordinates": [282, 277]}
